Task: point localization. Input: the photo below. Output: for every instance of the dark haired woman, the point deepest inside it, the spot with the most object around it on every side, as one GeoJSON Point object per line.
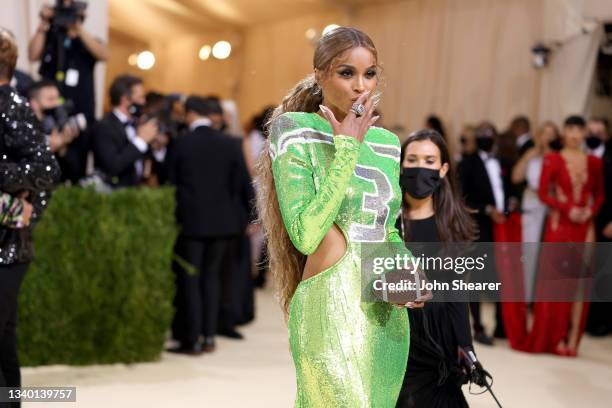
{"type": "Point", "coordinates": [330, 181]}
{"type": "Point", "coordinates": [433, 211]}
{"type": "Point", "coordinates": [433, 122]}
{"type": "Point", "coordinates": [571, 185]}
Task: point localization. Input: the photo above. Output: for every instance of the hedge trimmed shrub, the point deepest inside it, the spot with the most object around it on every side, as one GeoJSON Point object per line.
{"type": "Point", "coordinates": [101, 286]}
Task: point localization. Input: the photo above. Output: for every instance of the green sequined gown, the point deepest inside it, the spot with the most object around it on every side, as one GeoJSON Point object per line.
{"type": "Point", "coordinates": [347, 353]}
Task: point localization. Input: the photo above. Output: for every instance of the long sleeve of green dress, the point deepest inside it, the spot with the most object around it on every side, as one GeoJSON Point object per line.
{"type": "Point", "coordinates": [308, 212]}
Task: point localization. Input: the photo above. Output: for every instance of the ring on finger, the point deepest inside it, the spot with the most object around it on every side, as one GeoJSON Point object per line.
{"type": "Point", "coordinates": [358, 109]}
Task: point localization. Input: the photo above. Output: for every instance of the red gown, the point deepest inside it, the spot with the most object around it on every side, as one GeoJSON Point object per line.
{"type": "Point", "coordinates": [557, 190]}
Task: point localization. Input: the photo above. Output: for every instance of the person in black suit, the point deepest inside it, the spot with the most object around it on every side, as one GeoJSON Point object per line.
{"type": "Point", "coordinates": [210, 175]}
{"type": "Point", "coordinates": [597, 137]}
{"type": "Point", "coordinates": [243, 287]}
{"type": "Point", "coordinates": [599, 321]}
{"type": "Point", "coordinates": [520, 130]}
{"type": "Point", "coordinates": [120, 142]}
{"type": "Point", "coordinates": [480, 174]}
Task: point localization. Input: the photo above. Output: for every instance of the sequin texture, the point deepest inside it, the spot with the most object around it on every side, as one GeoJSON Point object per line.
{"type": "Point", "coordinates": [26, 165]}
{"type": "Point", "coordinates": [347, 353]}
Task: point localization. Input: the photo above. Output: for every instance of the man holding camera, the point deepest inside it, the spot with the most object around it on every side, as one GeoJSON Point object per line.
{"type": "Point", "coordinates": [122, 138]}
{"type": "Point", "coordinates": [67, 55]}
{"type": "Point", "coordinates": [57, 124]}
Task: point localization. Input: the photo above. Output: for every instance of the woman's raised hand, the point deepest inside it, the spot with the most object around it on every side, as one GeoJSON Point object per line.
{"type": "Point", "coordinates": [353, 125]}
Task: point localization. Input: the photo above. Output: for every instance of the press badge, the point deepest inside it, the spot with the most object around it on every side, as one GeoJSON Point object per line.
{"type": "Point", "coordinates": [72, 77]}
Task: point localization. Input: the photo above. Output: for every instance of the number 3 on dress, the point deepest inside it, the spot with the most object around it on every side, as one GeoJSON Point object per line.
{"type": "Point", "coordinates": [376, 203]}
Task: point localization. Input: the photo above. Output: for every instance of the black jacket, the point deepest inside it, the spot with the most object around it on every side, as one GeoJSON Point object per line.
{"type": "Point", "coordinates": [26, 164]}
{"type": "Point", "coordinates": [605, 213]}
{"type": "Point", "coordinates": [214, 193]}
{"type": "Point", "coordinates": [114, 154]}
{"type": "Point", "coordinates": [478, 192]}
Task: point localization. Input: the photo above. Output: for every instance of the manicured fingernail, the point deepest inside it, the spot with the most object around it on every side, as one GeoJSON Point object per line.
{"type": "Point", "coordinates": [375, 118]}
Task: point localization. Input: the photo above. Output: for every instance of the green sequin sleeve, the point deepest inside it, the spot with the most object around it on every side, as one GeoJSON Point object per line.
{"type": "Point", "coordinates": [308, 211]}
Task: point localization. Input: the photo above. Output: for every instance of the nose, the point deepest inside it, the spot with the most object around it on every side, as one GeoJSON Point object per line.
{"type": "Point", "coordinates": [359, 86]}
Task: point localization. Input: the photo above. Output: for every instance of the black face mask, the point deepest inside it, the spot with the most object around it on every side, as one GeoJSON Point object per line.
{"type": "Point", "coordinates": [55, 118]}
{"type": "Point", "coordinates": [592, 141]}
{"type": "Point", "coordinates": [49, 112]}
{"type": "Point", "coordinates": [419, 182]}
{"type": "Point", "coordinates": [135, 110]}
{"type": "Point", "coordinates": [556, 144]}
{"type": "Point", "coordinates": [485, 143]}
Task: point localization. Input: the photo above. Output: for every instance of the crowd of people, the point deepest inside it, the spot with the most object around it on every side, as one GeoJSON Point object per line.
{"type": "Point", "coordinates": [557, 182]}
{"type": "Point", "coordinates": [552, 185]}
{"type": "Point", "coordinates": [50, 136]}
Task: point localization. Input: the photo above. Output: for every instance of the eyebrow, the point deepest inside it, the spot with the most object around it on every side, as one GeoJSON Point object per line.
{"type": "Point", "coordinates": [426, 156]}
{"type": "Point", "coordinates": [352, 67]}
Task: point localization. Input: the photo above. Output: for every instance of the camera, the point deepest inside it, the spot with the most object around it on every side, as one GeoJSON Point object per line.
{"type": "Point", "coordinates": [165, 124]}
{"type": "Point", "coordinates": [67, 16]}
{"type": "Point", "coordinates": [60, 116]}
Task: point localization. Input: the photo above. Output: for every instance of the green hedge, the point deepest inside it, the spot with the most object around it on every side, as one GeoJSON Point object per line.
{"type": "Point", "coordinates": [100, 289]}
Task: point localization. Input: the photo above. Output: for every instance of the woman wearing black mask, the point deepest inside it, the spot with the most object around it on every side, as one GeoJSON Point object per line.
{"type": "Point", "coordinates": [433, 211]}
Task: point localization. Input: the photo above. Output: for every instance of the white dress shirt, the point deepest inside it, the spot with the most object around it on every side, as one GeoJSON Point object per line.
{"type": "Point", "coordinates": [140, 144]}
{"type": "Point", "coordinates": [200, 122]}
{"type": "Point", "coordinates": [599, 151]}
{"type": "Point", "coordinates": [522, 139]}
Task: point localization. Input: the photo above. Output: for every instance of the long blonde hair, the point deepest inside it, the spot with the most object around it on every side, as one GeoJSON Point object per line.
{"type": "Point", "coordinates": [285, 261]}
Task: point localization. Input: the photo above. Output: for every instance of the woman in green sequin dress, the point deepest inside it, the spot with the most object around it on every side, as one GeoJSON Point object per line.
{"type": "Point", "coordinates": [330, 182]}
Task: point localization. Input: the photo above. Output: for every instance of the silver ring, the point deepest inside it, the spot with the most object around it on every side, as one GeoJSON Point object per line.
{"type": "Point", "coordinates": [358, 109]}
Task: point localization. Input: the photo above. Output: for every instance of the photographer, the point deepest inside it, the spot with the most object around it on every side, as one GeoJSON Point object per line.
{"type": "Point", "coordinates": [57, 124]}
{"type": "Point", "coordinates": [68, 55]}
{"type": "Point", "coordinates": [122, 138]}
{"type": "Point", "coordinates": [27, 169]}
{"type": "Point", "coordinates": [162, 108]}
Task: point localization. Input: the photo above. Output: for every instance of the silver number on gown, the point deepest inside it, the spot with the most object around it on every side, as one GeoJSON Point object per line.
{"type": "Point", "coordinates": [376, 203]}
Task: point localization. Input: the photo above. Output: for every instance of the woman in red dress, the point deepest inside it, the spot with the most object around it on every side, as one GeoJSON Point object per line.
{"type": "Point", "coordinates": [571, 185]}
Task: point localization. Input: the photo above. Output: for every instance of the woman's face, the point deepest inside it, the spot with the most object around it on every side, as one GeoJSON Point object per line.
{"type": "Point", "coordinates": [424, 153]}
{"type": "Point", "coordinates": [352, 75]}
{"type": "Point", "coordinates": [547, 135]}
{"type": "Point", "coordinates": [573, 136]}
